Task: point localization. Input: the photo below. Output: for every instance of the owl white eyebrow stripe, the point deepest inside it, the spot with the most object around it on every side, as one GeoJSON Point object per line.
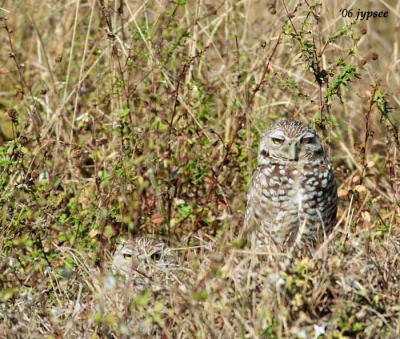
{"type": "Point", "coordinates": [278, 135]}
{"type": "Point", "coordinates": [308, 135]}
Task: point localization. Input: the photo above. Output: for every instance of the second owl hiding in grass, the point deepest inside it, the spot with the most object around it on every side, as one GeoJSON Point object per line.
{"type": "Point", "coordinates": [292, 196]}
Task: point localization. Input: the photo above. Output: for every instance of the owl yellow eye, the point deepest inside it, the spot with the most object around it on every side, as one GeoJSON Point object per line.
{"type": "Point", "coordinates": [277, 141]}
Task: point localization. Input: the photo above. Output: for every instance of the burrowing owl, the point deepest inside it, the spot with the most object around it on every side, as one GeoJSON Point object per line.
{"type": "Point", "coordinates": [292, 196]}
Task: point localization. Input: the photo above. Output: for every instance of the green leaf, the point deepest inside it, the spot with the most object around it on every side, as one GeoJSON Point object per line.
{"type": "Point", "coordinates": [200, 295]}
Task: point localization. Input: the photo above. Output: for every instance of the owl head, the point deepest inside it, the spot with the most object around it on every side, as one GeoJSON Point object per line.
{"type": "Point", "coordinates": [290, 141]}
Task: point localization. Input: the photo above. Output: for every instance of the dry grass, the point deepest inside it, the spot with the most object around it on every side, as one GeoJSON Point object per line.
{"type": "Point", "coordinates": [126, 119]}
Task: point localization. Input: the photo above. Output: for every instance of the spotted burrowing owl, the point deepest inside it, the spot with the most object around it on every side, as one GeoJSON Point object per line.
{"type": "Point", "coordinates": [292, 197]}
{"type": "Point", "coordinates": [142, 264]}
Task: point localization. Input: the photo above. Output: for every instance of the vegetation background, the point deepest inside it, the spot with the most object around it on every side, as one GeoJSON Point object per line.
{"type": "Point", "coordinates": [124, 119]}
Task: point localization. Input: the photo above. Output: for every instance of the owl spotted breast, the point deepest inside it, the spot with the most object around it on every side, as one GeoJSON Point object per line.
{"type": "Point", "coordinates": [292, 196]}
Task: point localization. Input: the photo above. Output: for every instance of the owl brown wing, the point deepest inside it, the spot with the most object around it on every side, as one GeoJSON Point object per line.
{"type": "Point", "coordinates": [332, 201]}
{"type": "Point", "coordinates": [326, 201]}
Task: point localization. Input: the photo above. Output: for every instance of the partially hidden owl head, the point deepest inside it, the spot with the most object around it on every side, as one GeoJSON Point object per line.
{"type": "Point", "coordinates": [290, 141]}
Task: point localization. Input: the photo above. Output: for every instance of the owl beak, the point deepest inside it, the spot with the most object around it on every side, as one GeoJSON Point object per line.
{"type": "Point", "coordinates": [293, 152]}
